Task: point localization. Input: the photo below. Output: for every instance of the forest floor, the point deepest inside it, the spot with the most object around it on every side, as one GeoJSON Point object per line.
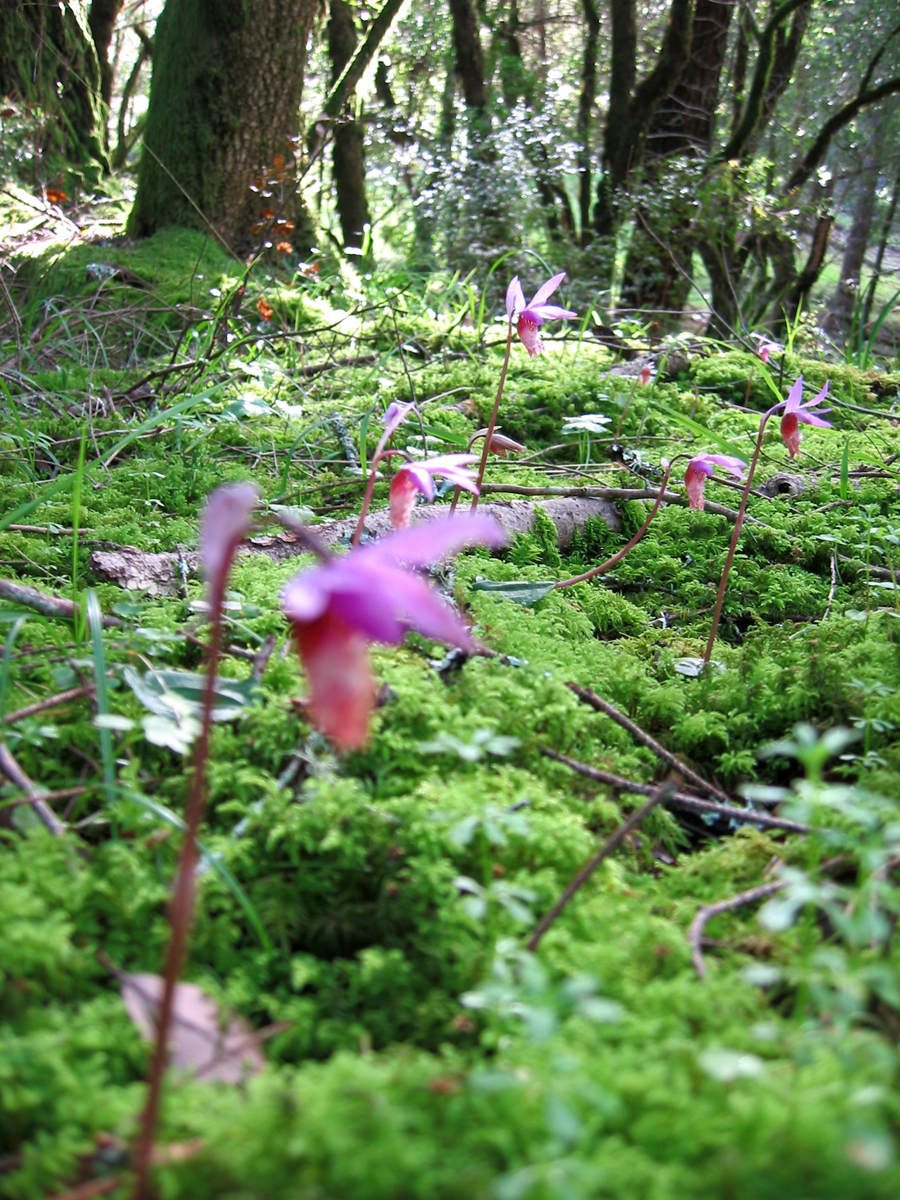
{"type": "Point", "coordinates": [369, 913]}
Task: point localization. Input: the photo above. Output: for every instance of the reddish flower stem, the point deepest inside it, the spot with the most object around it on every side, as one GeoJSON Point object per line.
{"type": "Point", "coordinates": [181, 909]}
{"type": "Point", "coordinates": [380, 453]}
{"type": "Point", "coordinates": [486, 448]}
{"type": "Point", "coordinates": [736, 533]}
{"type": "Point", "coordinates": [619, 555]}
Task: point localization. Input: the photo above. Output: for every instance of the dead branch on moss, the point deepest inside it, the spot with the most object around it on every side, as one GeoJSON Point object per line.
{"type": "Point", "coordinates": [56, 701]}
{"type": "Point", "coordinates": [706, 914]}
{"type": "Point", "coordinates": [708, 911]}
{"type": "Point", "coordinates": [33, 794]}
{"type": "Point", "coordinates": [586, 696]}
{"type": "Point", "coordinates": [47, 606]}
{"type": "Point", "coordinates": [612, 843]}
{"type": "Point", "coordinates": [747, 816]}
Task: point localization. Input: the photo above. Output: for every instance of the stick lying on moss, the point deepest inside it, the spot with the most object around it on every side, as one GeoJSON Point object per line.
{"type": "Point", "coordinates": [748, 816]}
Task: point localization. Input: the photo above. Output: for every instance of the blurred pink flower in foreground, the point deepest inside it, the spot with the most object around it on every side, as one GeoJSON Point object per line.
{"type": "Point", "coordinates": [646, 374]}
{"type": "Point", "coordinates": [701, 467]}
{"type": "Point", "coordinates": [223, 526]}
{"type": "Point", "coordinates": [372, 594]}
{"type": "Point", "coordinates": [416, 477]}
{"type": "Point", "coordinates": [532, 316]}
{"type": "Point", "coordinates": [797, 414]}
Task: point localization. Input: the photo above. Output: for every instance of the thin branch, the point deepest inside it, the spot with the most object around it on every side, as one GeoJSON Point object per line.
{"type": "Point", "coordinates": [612, 843]}
{"type": "Point", "coordinates": [33, 794]}
{"type": "Point", "coordinates": [586, 696]}
{"type": "Point", "coordinates": [57, 701]}
{"type": "Point", "coordinates": [706, 914]}
{"type": "Point", "coordinates": [47, 606]}
{"type": "Point", "coordinates": [747, 816]}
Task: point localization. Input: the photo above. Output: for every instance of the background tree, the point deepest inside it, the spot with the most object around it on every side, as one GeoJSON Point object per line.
{"type": "Point", "coordinates": [223, 115]}
{"type": "Point", "coordinates": [50, 64]}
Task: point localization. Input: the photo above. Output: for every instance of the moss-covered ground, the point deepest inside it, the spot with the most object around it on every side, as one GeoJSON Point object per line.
{"type": "Point", "coordinates": [373, 907]}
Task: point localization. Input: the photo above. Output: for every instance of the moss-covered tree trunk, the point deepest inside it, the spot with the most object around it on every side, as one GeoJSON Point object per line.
{"type": "Point", "coordinates": [48, 62]}
{"type": "Point", "coordinates": [223, 116]}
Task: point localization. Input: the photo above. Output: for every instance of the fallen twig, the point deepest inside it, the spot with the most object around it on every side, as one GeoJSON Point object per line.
{"type": "Point", "coordinates": [708, 911]}
{"type": "Point", "coordinates": [706, 914]}
{"type": "Point", "coordinates": [612, 842]}
{"type": "Point", "coordinates": [47, 606]}
{"type": "Point", "coordinates": [33, 794]}
{"type": "Point", "coordinates": [640, 735]}
{"type": "Point", "coordinates": [56, 701]}
{"type": "Point", "coordinates": [748, 816]}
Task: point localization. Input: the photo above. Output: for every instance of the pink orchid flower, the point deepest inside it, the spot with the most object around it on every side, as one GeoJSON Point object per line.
{"type": "Point", "coordinates": [416, 477]}
{"type": "Point", "coordinates": [766, 347]}
{"type": "Point", "coordinates": [394, 416]}
{"type": "Point", "coordinates": [532, 316]}
{"type": "Point", "coordinates": [372, 594]}
{"type": "Point", "coordinates": [223, 526]}
{"type": "Point", "coordinates": [797, 414]}
{"type": "Point", "coordinates": [646, 374]}
{"type": "Point", "coordinates": [701, 467]}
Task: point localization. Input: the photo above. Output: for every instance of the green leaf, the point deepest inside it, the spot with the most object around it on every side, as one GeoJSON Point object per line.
{"type": "Point", "coordinates": [520, 591]}
{"type": "Point", "coordinates": [168, 693]}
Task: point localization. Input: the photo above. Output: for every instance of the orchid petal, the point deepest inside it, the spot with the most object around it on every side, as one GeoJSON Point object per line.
{"type": "Point", "coordinates": [795, 395]}
{"type": "Point", "coordinates": [515, 297]}
{"type": "Point", "coordinates": [424, 610]}
{"type": "Point", "coordinates": [394, 416]}
{"type": "Point", "coordinates": [431, 541]}
{"type": "Point", "coordinates": [551, 312]}
{"type": "Point", "coordinates": [421, 476]}
{"type": "Point", "coordinates": [809, 418]}
{"type": "Point", "coordinates": [546, 290]}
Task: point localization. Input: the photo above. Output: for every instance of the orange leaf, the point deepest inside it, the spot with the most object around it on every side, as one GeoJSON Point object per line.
{"type": "Point", "coordinates": [264, 309]}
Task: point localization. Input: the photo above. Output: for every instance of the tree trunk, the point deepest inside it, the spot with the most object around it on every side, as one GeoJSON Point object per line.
{"type": "Point", "coordinates": [886, 227]}
{"type": "Point", "coordinates": [469, 54]}
{"type": "Point", "coordinates": [48, 61]}
{"type": "Point", "coordinates": [348, 155]}
{"type": "Point", "coordinates": [223, 115]}
{"type": "Point", "coordinates": [847, 294]}
{"type": "Point", "coordinates": [658, 266]}
{"type": "Point", "coordinates": [585, 114]}
{"type": "Point", "coordinates": [683, 121]}
{"type": "Point", "coordinates": [102, 20]}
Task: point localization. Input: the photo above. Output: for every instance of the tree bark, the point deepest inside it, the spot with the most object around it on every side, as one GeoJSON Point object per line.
{"type": "Point", "coordinates": [658, 268]}
{"type": "Point", "coordinates": [683, 121]}
{"type": "Point", "coordinates": [469, 54]}
{"type": "Point", "coordinates": [102, 21]}
{"type": "Point", "coordinates": [886, 227]}
{"type": "Point", "coordinates": [348, 154]}
{"type": "Point", "coordinates": [848, 293]}
{"type": "Point", "coordinates": [585, 113]}
{"type": "Point", "coordinates": [48, 61]}
{"type": "Point", "coordinates": [223, 115]}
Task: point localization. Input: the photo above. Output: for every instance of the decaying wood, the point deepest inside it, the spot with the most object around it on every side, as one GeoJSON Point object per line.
{"type": "Point", "coordinates": [161, 574]}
